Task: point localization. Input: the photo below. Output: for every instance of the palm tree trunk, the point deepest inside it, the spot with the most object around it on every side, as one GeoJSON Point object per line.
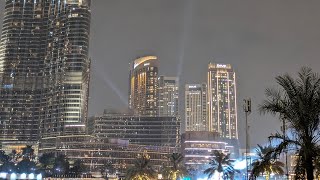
{"type": "Point", "coordinates": [268, 175]}
{"type": "Point", "coordinates": [309, 167]}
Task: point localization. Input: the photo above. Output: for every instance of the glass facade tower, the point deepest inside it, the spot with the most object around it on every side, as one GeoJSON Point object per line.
{"type": "Point", "coordinates": [44, 69]}
{"type": "Point", "coordinates": [168, 98]}
{"type": "Point", "coordinates": [196, 107]}
{"type": "Point", "coordinates": [222, 108]}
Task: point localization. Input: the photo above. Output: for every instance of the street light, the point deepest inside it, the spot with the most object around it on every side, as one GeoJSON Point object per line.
{"type": "Point", "coordinates": [247, 110]}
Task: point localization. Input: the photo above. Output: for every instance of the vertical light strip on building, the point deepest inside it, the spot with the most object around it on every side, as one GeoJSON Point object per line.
{"type": "Point", "coordinates": [229, 114]}
{"type": "Point", "coordinates": [218, 95]}
{"type": "Point", "coordinates": [236, 108]}
{"type": "Point", "coordinates": [209, 99]}
{"type": "Point", "coordinates": [222, 100]}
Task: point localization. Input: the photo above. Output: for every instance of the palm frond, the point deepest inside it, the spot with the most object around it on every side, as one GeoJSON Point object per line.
{"type": "Point", "coordinates": [297, 103]}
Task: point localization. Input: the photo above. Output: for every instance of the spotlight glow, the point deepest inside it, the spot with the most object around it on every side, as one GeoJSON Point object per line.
{"type": "Point", "coordinates": [39, 176]}
{"type": "Point", "coordinates": [23, 176]}
{"type": "Point", "coordinates": [187, 20]}
{"type": "Point", "coordinates": [13, 176]}
{"type": "Point", "coordinates": [240, 164]}
{"type": "Point", "coordinates": [31, 176]}
{"type": "Point", "coordinates": [3, 175]}
{"type": "Point", "coordinates": [105, 77]}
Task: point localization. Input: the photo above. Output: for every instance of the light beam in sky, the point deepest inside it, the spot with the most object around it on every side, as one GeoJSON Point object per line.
{"type": "Point", "coordinates": [105, 77]}
{"type": "Point", "coordinates": [187, 20]}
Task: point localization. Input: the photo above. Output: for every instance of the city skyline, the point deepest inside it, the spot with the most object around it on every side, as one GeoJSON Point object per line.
{"type": "Point", "coordinates": [251, 36]}
{"type": "Point", "coordinates": [205, 81]}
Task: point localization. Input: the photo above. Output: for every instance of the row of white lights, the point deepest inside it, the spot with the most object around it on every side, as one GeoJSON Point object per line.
{"type": "Point", "coordinates": [20, 176]}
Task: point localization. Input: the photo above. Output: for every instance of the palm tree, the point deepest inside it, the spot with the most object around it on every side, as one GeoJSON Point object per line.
{"type": "Point", "coordinates": [176, 170]}
{"type": "Point", "coordinates": [47, 161]}
{"type": "Point", "coordinates": [26, 166]}
{"type": "Point", "coordinates": [8, 167]}
{"type": "Point", "coordinates": [141, 169]}
{"type": "Point", "coordinates": [317, 166]}
{"type": "Point", "coordinates": [4, 157]}
{"type": "Point", "coordinates": [297, 102]}
{"type": "Point", "coordinates": [266, 163]}
{"type": "Point", "coordinates": [14, 156]}
{"type": "Point", "coordinates": [107, 168]}
{"type": "Point", "coordinates": [221, 163]}
{"type": "Point", "coordinates": [61, 165]}
{"type": "Point", "coordinates": [78, 167]}
{"type": "Point", "coordinates": [28, 152]}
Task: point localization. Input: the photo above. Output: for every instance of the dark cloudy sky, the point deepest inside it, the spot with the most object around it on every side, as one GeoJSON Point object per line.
{"type": "Point", "coordinates": [261, 39]}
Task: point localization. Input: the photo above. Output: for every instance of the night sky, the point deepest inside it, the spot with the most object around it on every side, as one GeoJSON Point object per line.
{"type": "Point", "coordinates": [261, 39]}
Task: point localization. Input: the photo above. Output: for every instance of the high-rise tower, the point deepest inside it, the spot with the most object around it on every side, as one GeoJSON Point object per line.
{"type": "Point", "coordinates": [196, 107]}
{"type": "Point", "coordinates": [143, 86]}
{"type": "Point", "coordinates": [168, 96]}
{"type": "Point", "coordinates": [44, 69]}
{"type": "Point", "coordinates": [222, 108]}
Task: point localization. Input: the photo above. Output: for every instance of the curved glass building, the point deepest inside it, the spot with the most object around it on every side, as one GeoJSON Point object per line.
{"type": "Point", "coordinates": [44, 69]}
{"type": "Point", "coordinates": [143, 86]}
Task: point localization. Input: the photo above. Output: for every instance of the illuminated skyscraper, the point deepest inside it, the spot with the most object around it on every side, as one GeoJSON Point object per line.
{"type": "Point", "coordinates": [222, 109]}
{"type": "Point", "coordinates": [44, 69]}
{"type": "Point", "coordinates": [196, 107]}
{"type": "Point", "coordinates": [143, 86]}
{"type": "Point", "coordinates": [168, 96]}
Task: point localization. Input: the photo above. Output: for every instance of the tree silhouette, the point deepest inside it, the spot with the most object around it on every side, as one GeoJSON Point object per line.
{"type": "Point", "coordinates": [61, 165]}
{"type": "Point", "coordinates": [28, 152]}
{"type": "Point", "coordinates": [222, 164]}
{"type": "Point", "coordinates": [141, 169]}
{"type": "Point", "coordinates": [78, 167]}
{"type": "Point", "coordinates": [297, 102]}
{"type": "Point", "coordinates": [26, 166]}
{"type": "Point", "coordinates": [176, 170]}
{"type": "Point", "coordinates": [266, 163]}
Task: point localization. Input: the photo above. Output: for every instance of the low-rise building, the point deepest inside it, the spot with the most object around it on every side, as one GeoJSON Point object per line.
{"type": "Point", "coordinates": [97, 152]}
{"type": "Point", "coordinates": [143, 130]}
{"type": "Point", "coordinates": [198, 146]}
